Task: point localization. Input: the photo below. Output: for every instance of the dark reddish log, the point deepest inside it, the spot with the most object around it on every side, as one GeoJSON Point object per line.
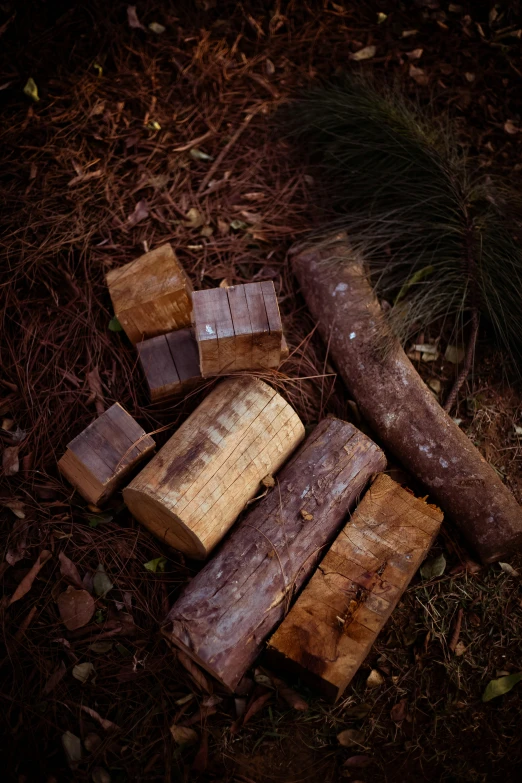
{"type": "Point", "coordinates": [399, 406]}
{"type": "Point", "coordinates": [232, 605]}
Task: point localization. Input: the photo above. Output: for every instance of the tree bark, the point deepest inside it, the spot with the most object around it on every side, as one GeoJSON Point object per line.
{"type": "Point", "coordinates": [229, 608]}
{"type": "Point", "coordinates": [399, 406]}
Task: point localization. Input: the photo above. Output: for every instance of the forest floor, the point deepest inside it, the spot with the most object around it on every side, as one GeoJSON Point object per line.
{"type": "Point", "coordinates": [142, 136]}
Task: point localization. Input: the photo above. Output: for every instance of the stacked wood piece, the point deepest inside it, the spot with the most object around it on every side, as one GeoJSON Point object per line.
{"type": "Point", "coordinates": [237, 328]}
{"type": "Point", "coordinates": [170, 364]}
{"type": "Point", "coordinates": [233, 604]}
{"type": "Point", "coordinates": [193, 490]}
{"type": "Point", "coordinates": [99, 459]}
{"type": "Point", "coordinates": [151, 295]}
{"type": "Point", "coordinates": [335, 621]}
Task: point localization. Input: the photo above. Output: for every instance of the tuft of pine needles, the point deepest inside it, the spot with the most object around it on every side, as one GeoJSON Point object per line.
{"type": "Point", "coordinates": [436, 233]}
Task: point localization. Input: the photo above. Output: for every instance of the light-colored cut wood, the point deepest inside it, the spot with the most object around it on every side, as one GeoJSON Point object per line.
{"type": "Point", "coordinates": [151, 295]}
{"type": "Point", "coordinates": [170, 364]}
{"type": "Point", "coordinates": [99, 459]}
{"type": "Point", "coordinates": [226, 612]}
{"type": "Point", "coordinates": [333, 624]}
{"type": "Point", "coordinates": [193, 490]}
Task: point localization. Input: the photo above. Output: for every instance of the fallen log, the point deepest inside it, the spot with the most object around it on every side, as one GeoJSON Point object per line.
{"type": "Point", "coordinates": [336, 619]}
{"type": "Point", "coordinates": [398, 405]}
{"type": "Point", "coordinates": [196, 486]}
{"type": "Point", "coordinates": [230, 607]}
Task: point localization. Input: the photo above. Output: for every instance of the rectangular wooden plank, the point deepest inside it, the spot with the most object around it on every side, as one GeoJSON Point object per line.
{"type": "Point", "coordinates": [259, 322]}
{"type": "Point", "coordinates": [205, 310]}
{"type": "Point", "coordinates": [224, 331]}
{"type": "Point", "coordinates": [274, 339]}
{"type": "Point", "coordinates": [333, 624]}
{"type": "Point", "coordinates": [159, 367]}
{"type": "Point", "coordinates": [184, 352]}
{"type": "Point", "coordinates": [242, 326]}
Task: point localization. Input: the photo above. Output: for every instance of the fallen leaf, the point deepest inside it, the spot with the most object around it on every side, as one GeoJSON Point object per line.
{"type": "Point", "coordinates": [195, 672]}
{"type": "Point", "coordinates": [470, 77]}
{"type": "Point", "coordinates": [306, 515]}
{"type": "Point", "coordinates": [292, 698]}
{"type": "Point", "coordinates": [158, 564]}
{"type": "Point", "coordinates": [268, 481]}
{"type": "Point", "coordinates": [460, 648]}
{"type": "Point", "coordinates": [511, 128]}
{"type": "Point", "coordinates": [364, 54]}
{"type": "Point", "coordinates": [18, 542]}
{"type": "Point", "coordinates": [132, 18]}
{"type": "Point", "coordinates": [10, 461]}
{"type": "Point", "coordinates": [398, 711]}
{"type": "Point", "coordinates": [223, 227]}
{"type": "Point", "coordinates": [27, 582]}
{"type": "Point", "coordinates": [415, 54]}
{"type": "Point", "coordinates": [508, 569]}
{"type": "Point", "coordinates": [100, 775]}
{"type": "Point", "coordinates": [17, 507]}
{"type": "Point", "coordinates": [433, 567]}
{"type": "Point", "coordinates": [418, 75]}
{"type": "Point", "coordinates": [55, 678]}
{"type": "Point", "coordinates": [381, 17]}
{"type": "Point", "coordinates": [454, 354]}
{"type": "Point", "coordinates": [350, 737]}
{"type": "Point", "coordinates": [104, 723]}
{"type": "Point", "coordinates": [238, 225]}
{"type": "Point", "coordinates": [69, 570]}
{"type": "Point", "coordinates": [92, 741]}
{"type": "Point", "coordinates": [157, 28]}
{"type": "Point", "coordinates": [72, 747]}
{"type": "Point", "coordinates": [31, 90]}
{"type": "Point", "coordinates": [375, 679]}
{"type": "Point", "coordinates": [207, 231]}
{"type": "Point", "coordinates": [435, 385]}
{"type": "Point", "coordinates": [114, 325]}
{"type": "Point", "coordinates": [194, 218]}
{"type": "Point", "coordinates": [358, 762]}
{"type": "Point", "coordinates": [199, 154]}
{"type": "Point", "coordinates": [358, 711]}
{"type": "Point", "coordinates": [256, 706]}
{"type": "Point", "coordinates": [82, 671]}
{"type": "Point", "coordinates": [141, 211]}
{"type": "Point", "coordinates": [153, 125]}
{"type": "Point", "coordinates": [408, 33]}
{"type": "Point", "coordinates": [269, 67]}
{"type": "Point", "coordinates": [101, 582]}
{"type": "Point", "coordinates": [100, 647]}
{"type": "Point", "coordinates": [502, 685]}
{"type": "Point", "coordinates": [184, 735]}
{"type": "Point", "coordinates": [76, 608]}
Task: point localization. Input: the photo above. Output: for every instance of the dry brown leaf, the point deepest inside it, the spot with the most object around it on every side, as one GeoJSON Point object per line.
{"type": "Point", "coordinates": [418, 75]}
{"type": "Point", "coordinates": [364, 54]}
{"type": "Point", "coordinates": [69, 570]}
{"type": "Point", "coordinates": [268, 481]}
{"type": "Point", "coordinates": [399, 710]}
{"type": "Point", "coordinates": [76, 608]}
{"type": "Point", "coordinates": [104, 723]}
{"type": "Point", "coordinates": [256, 706]}
{"type": "Point", "coordinates": [375, 679]}
{"type": "Point", "coordinates": [511, 128]}
{"type": "Point", "coordinates": [27, 582]}
{"type": "Point", "coordinates": [10, 461]}
{"type": "Point", "coordinates": [350, 738]}
{"type": "Point", "coordinates": [460, 649]}
{"type": "Point", "coordinates": [416, 54]}
{"type": "Point", "coordinates": [184, 735]}
{"type": "Point", "coordinates": [17, 507]}
{"type": "Point", "coordinates": [18, 541]}
{"type": "Point", "coordinates": [132, 18]}
{"type": "Point", "coordinates": [194, 671]}
{"type": "Point", "coordinates": [141, 212]}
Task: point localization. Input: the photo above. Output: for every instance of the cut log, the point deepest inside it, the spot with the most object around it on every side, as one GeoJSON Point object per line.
{"type": "Point", "coordinates": [170, 363]}
{"type": "Point", "coordinates": [237, 328]}
{"type": "Point", "coordinates": [400, 408]}
{"type": "Point", "coordinates": [335, 621]}
{"type": "Point", "coordinates": [199, 482]}
{"type": "Point", "coordinates": [151, 295]}
{"type": "Point", "coordinates": [99, 459]}
{"type": "Point", "coordinates": [226, 612]}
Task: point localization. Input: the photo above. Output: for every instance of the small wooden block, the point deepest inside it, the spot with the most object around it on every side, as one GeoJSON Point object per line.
{"type": "Point", "coordinates": [237, 328]}
{"type": "Point", "coordinates": [151, 295]}
{"type": "Point", "coordinates": [170, 363]}
{"type": "Point", "coordinates": [99, 458]}
{"type": "Point", "coordinates": [334, 622]}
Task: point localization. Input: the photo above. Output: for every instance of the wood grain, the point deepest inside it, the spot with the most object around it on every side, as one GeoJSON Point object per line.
{"type": "Point", "coordinates": [151, 295]}
{"type": "Point", "coordinates": [193, 490]}
{"type": "Point", "coordinates": [230, 607]}
{"type": "Point", "coordinates": [170, 364]}
{"type": "Point", "coordinates": [335, 621]}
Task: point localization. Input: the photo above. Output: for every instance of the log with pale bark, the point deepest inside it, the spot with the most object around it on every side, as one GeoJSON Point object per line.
{"type": "Point", "coordinates": [335, 621]}
{"type": "Point", "coordinates": [232, 605]}
{"type": "Point", "coordinates": [398, 405]}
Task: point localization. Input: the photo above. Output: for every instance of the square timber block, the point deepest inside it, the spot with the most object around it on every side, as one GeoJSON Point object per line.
{"type": "Point", "coordinates": [151, 295]}
{"type": "Point", "coordinates": [170, 364]}
{"type": "Point", "coordinates": [333, 624]}
{"type": "Point", "coordinates": [98, 460]}
{"type": "Point", "coordinates": [237, 328]}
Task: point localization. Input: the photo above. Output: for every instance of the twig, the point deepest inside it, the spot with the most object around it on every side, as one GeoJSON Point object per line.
{"type": "Point", "coordinates": [468, 361]}
{"type": "Point", "coordinates": [456, 631]}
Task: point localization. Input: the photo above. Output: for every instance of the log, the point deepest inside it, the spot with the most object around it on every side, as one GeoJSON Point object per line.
{"type": "Point", "coordinates": [151, 295]}
{"type": "Point", "coordinates": [99, 459]}
{"type": "Point", "coordinates": [170, 363]}
{"type": "Point", "coordinates": [237, 328]}
{"type": "Point", "coordinates": [400, 408]}
{"type": "Point", "coordinates": [336, 619]}
{"type": "Point", "coordinates": [194, 489]}
{"type": "Point", "coordinates": [227, 610]}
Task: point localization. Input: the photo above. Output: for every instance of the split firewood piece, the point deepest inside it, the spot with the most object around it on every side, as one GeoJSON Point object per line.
{"type": "Point", "coordinates": [398, 405]}
{"type": "Point", "coordinates": [237, 328]}
{"type": "Point", "coordinates": [199, 482]}
{"type": "Point", "coordinates": [151, 295]}
{"type": "Point", "coordinates": [170, 364]}
{"type": "Point", "coordinates": [335, 621]}
{"type": "Point", "coordinates": [232, 605]}
{"type": "Point", "coordinates": [99, 459]}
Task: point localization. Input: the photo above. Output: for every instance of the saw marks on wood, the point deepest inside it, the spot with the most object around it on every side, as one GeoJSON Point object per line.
{"type": "Point", "coordinates": [100, 457]}
{"type": "Point", "coordinates": [170, 364]}
{"type": "Point", "coordinates": [237, 328]}
{"type": "Point", "coordinates": [330, 630]}
{"type": "Point", "coordinates": [151, 295]}
{"type": "Point", "coordinates": [199, 482]}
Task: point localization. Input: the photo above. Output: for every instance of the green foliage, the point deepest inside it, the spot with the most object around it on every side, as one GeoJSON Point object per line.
{"type": "Point", "coordinates": [434, 233]}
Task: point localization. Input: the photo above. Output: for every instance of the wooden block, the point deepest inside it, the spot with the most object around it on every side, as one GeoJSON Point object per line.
{"type": "Point", "coordinates": [333, 624]}
{"type": "Point", "coordinates": [193, 490]}
{"type": "Point", "coordinates": [229, 608]}
{"type": "Point", "coordinates": [237, 328]}
{"type": "Point", "coordinates": [99, 458]}
{"type": "Point", "coordinates": [151, 295]}
{"type": "Point", "coordinates": [170, 363]}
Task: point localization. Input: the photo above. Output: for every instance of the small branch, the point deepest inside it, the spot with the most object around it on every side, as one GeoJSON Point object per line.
{"type": "Point", "coordinates": [468, 361]}
{"type": "Point", "coordinates": [456, 631]}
